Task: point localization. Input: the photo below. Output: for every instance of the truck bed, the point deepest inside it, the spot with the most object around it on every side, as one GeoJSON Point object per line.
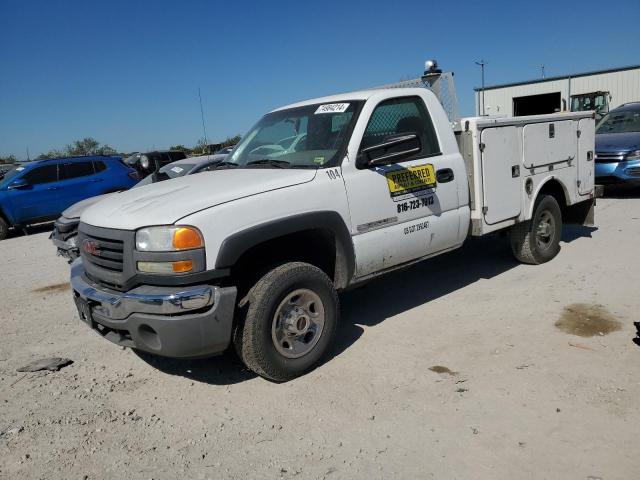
{"type": "Point", "coordinates": [509, 159]}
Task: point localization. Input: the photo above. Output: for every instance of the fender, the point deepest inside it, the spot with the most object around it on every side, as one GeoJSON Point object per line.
{"type": "Point", "coordinates": [237, 244]}
{"type": "Point", "coordinates": [543, 184]}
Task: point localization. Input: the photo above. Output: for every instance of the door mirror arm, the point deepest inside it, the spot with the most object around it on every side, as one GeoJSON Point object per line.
{"type": "Point", "coordinates": [19, 184]}
{"type": "Point", "coordinates": [380, 154]}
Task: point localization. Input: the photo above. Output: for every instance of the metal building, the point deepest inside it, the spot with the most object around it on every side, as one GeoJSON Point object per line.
{"type": "Point", "coordinates": [599, 90]}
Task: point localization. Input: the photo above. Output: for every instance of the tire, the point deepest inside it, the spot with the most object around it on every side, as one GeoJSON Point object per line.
{"type": "Point", "coordinates": [538, 240]}
{"type": "Point", "coordinates": [4, 228]}
{"type": "Point", "coordinates": [290, 320]}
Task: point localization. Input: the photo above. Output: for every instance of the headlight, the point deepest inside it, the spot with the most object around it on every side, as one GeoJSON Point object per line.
{"type": "Point", "coordinates": [633, 155]}
{"type": "Point", "coordinates": [168, 239]}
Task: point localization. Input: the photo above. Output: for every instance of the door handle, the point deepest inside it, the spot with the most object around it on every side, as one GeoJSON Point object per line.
{"type": "Point", "coordinates": [53, 188]}
{"type": "Point", "coordinates": [96, 180]}
{"type": "Point", "coordinates": [444, 175]}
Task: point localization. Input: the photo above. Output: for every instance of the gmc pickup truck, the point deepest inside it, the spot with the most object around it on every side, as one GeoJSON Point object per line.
{"type": "Point", "coordinates": [320, 196]}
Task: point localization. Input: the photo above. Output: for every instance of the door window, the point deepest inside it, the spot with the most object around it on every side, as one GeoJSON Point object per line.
{"type": "Point", "coordinates": [400, 116]}
{"type": "Point", "coordinates": [44, 174]}
{"type": "Point", "coordinates": [75, 170]}
{"type": "Point", "coordinates": [99, 166]}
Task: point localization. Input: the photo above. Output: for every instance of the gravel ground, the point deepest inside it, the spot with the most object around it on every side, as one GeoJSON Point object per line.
{"type": "Point", "coordinates": [466, 366]}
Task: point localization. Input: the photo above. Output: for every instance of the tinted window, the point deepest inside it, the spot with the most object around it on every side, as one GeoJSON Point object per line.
{"type": "Point", "coordinates": [99, 166]}
{"type": "Point", "coordinates": [400, 116]}
{"type": "Point", "coordinates": [75, 170]}
{"type": "Point", "coordinates": [44, 174]}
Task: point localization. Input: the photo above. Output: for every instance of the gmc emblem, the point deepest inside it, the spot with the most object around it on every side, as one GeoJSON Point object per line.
{"type": "Point", "coordinates": [91, 247]}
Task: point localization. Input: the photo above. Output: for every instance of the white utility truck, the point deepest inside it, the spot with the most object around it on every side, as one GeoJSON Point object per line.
{"type": "Point", "coordinates": [320, 196]}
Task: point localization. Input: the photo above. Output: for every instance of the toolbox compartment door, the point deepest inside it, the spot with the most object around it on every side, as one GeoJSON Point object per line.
{"type": "Point", "coordinates": [548, 143]}
{"type": "Point", "coordinates": [501, 175]}
{"type": "Point", "coordinates": [587, 127]}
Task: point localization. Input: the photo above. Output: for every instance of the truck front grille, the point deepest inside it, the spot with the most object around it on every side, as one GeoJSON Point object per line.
{"type": "Point", "coordinates": [107, 255]}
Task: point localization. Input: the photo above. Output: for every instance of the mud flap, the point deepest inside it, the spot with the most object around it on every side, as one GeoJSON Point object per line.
{"type": "Point", "coordinates": [582, 213]}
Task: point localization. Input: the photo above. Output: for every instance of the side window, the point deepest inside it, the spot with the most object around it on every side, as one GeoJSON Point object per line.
{"type": "Point", "coordinates": [75, 170]}
{"type": "Point", "coordinates": [99, 167]}
{"type": "Point", "coordinates": [399, 116]}
{"type": "Point", "coordinates": [44, 174]}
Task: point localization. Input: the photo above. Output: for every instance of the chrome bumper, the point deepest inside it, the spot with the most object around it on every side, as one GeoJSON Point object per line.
{"type": "Point", "coordinates": [144, 299]}
{"type": "Point", "coordinates": [181, 322]}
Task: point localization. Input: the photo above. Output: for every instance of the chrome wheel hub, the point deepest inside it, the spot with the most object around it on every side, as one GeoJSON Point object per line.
{"type": "Point", "coordinates": [545, 230]}
{"type": "Point", "coordinates": [298, 323]}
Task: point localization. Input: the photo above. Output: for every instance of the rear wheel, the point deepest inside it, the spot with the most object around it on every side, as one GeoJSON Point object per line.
{"type": "Point", "coordinates": [289, 323]}
{"type": "Point", "coordinates": [4, 228]}
{"type": "Point", "coordinates": [538, 240]}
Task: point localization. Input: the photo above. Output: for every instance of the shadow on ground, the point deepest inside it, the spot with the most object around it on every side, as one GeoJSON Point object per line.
{"type": "Point", "coordinates": [226, 369]}
{"type": "Point", "coordinates": [622, 191]}
{"type": "Point", "coordinates": [387, 296]}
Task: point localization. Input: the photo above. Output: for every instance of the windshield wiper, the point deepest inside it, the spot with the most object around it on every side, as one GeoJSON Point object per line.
{"type": "Point", "coordinates": [271, 162]}
{"type": "Point", "coordinates": [224, 165]}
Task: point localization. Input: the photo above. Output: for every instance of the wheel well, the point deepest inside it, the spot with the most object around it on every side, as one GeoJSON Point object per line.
{"type": "Point", "coordinates": [4, 217]}
{"type": "Point", "coordinates": [556, 190]}
{"type": "Point", "coordinates": [314, 246]}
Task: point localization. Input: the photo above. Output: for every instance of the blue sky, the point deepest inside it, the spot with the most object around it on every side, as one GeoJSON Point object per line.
{"type": "Point", "coordinates": [127, 72]}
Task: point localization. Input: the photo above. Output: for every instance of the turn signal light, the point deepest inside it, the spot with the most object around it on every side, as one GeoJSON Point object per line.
{"type": "Point", "coordinates": [167, 268]}
{"type": "Point", "coordinates": [187, 237]}
{"type": "Point", "coordinates": [182, 266]}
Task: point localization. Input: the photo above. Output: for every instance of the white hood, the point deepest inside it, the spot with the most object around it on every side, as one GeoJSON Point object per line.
{"type": "Point", "coordinates": [164, 203]}
{"type": "Point", "coordinates": [75, 210]}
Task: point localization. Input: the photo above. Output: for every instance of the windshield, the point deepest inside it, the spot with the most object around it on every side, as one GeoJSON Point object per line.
{"type": "Point", "coordinates": [166, 173]}
{"type": "Point", "coordinates": [11, 173]}
{"type": "Point", "coordinates": [302, 137]}
{"type": "Point", "coordinates": [620, 122]}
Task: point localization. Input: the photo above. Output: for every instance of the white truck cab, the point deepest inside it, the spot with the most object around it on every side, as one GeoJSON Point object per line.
{"type": "Point", "coordinates": [317, 197]}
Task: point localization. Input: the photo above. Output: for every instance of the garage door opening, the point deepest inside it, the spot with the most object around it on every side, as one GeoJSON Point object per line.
{"type": "Point", "coordinates": [536, 104]}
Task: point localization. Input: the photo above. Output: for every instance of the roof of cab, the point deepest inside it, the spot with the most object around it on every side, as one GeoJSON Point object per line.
{"type": "Point", "coordinates": [342, 97]}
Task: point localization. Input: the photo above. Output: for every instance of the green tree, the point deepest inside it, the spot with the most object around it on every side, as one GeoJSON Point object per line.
{"type": "Point", "coordinates": [230, 141]}
{"type": "Point", "coordinates": [181, 148]}
{"type": "Point", "coordinates": [8, 159]}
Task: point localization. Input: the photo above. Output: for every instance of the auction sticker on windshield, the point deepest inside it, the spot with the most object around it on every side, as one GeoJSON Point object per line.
{"type": "Point", "coordinates": [411, 180]}
{"type": "Point", "coordinates": [332, 108]}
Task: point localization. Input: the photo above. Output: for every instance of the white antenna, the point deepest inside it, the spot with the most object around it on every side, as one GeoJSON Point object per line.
{"type": "Point", "coordinates": [204, 128]}
{"type": "Point", "coordinates": [481, 64]}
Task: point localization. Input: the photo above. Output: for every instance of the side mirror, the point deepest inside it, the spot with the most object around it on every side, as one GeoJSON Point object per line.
{"type": "Point", "coordinates": [392, 150]}
{"type": "Point", "coordinates": [19, 184]}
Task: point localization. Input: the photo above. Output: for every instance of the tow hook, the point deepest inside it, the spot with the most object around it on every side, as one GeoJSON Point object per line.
{"type": "Point", "coordinates": [637, 339]}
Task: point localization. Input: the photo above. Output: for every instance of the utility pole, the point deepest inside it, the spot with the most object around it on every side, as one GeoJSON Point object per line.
{"type": "Point", "coordinates": [542, 68]}
{"type": "Point", "coordinates": [204, 128]}
{"type": "Point", "coordinates": [28, 157]}
{"type": "Point", "coordinates": [482, 63]}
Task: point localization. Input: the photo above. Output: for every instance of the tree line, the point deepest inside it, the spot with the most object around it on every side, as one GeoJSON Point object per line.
{"type": "Point", "coordinates": [91, 146]}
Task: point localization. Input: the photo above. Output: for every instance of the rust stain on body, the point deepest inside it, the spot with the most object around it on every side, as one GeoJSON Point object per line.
{"type": "Point", "coordinates": [586, 320]}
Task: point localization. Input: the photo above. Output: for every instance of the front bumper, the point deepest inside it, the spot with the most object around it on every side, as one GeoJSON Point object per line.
{"type": "Point", "coordinates": [65, 236]}
{"type": "Point", "coordinates": [181, 322]}
{"type": "Point", "coordinates": [618, 172]}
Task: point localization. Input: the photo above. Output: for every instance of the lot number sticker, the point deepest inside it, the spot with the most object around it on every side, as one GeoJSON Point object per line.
{"type": "Point", "coordinates": [332, 108]}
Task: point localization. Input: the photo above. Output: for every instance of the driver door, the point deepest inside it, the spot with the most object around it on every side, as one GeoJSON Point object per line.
{"type": "Point", "coordinates": [398, 207]}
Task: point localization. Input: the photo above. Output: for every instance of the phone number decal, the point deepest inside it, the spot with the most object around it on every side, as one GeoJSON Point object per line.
{"type": "Point", "coordinates": [414, 204]}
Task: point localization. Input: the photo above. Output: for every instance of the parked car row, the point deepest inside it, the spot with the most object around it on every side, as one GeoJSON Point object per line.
{"type": "Point", "coordinates": [38, 191]}
{"type": "Point", "coordinates": [618, 146]}
{"type": "Point", "coordinates": [65, 230]}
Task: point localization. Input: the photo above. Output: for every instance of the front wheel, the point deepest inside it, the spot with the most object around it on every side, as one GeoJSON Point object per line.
{"type": "Point", "coordinates": [4, 228]}
{"type": "Point", "coordinates": [290, 321]}
{"type": "Point", "coordinates": [538, 240]}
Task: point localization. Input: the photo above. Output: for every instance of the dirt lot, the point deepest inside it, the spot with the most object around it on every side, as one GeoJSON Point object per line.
{"type": "Point", "coordinates": [467, 366]}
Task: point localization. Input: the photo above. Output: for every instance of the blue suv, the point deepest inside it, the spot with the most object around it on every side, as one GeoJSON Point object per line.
{"type": "Point", "coordinates": [39, 191]}
{"type": "Point", "coordinates": [618, 146]}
